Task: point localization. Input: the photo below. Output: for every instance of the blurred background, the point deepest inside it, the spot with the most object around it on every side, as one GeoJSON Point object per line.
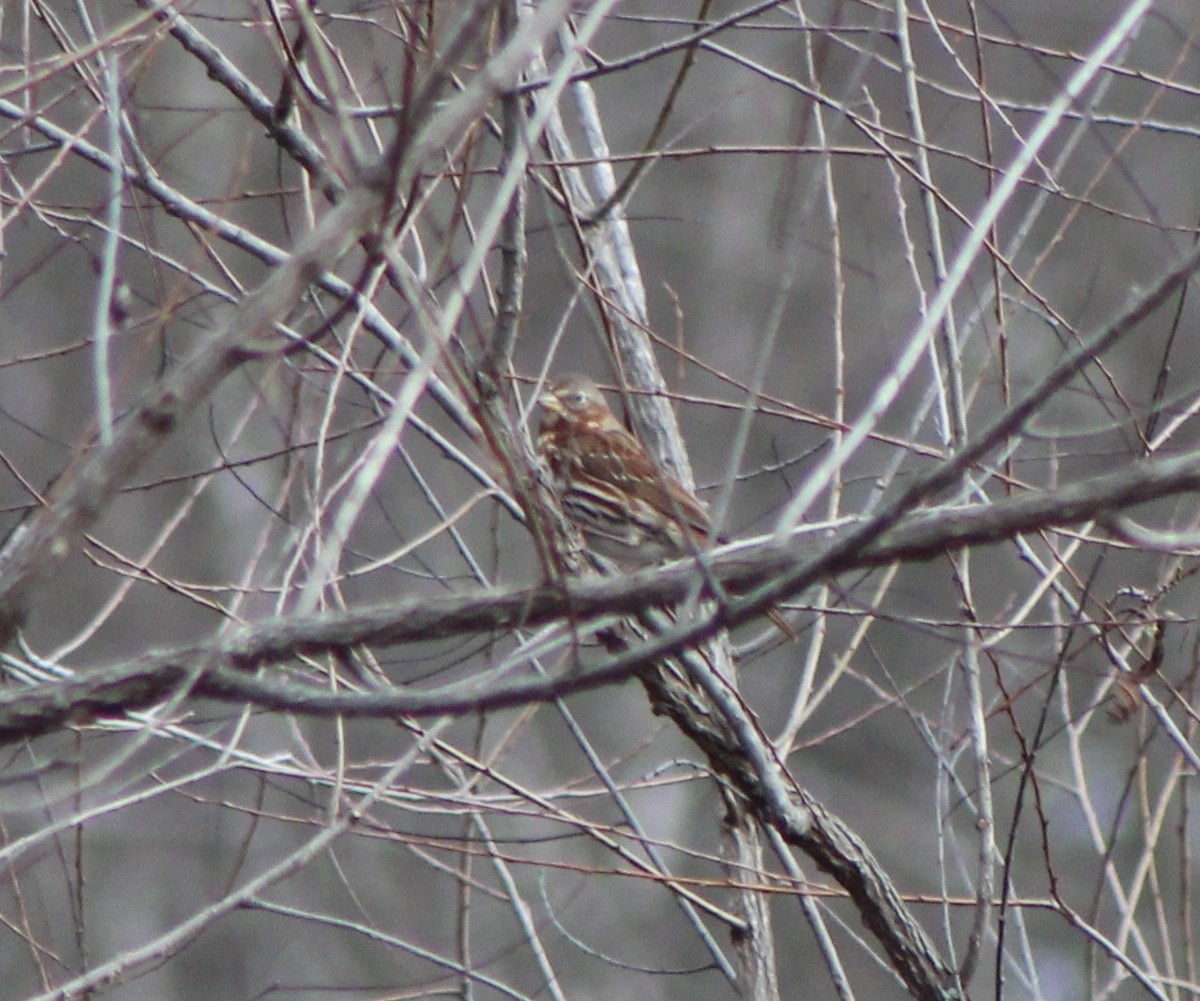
{"type": "Point", "coordinates": [797, 179]}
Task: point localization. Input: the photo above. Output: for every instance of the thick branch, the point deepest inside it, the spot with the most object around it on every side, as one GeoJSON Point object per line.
{"type": "Point", "coordinates": [925, 536]}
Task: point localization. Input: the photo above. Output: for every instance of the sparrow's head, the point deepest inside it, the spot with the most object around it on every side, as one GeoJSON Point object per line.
{"type": "Point", "coordinates": [576, 400]}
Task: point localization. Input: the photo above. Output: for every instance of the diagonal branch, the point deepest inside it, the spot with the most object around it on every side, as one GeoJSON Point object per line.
{"type": "Point", "coordinates": [81, 495]}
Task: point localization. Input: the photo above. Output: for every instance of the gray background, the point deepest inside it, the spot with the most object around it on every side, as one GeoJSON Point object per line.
{"type": "Point", "coordinates": [737, 210]}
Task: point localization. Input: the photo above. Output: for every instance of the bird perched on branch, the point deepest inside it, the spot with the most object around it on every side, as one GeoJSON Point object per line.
{"type": "Point", "coordinates": [627, 507]}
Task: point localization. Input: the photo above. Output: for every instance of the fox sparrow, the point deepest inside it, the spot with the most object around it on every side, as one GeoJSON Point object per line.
{"type": "Point", "coordinates": [626, 506]}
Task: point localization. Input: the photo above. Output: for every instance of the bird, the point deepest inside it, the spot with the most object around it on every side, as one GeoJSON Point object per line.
{"type": "Point", "coordinates": [626, 506]}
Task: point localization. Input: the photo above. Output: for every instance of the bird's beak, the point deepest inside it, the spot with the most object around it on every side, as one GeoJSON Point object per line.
{"type": "Point", "coordinates": [549, 403]}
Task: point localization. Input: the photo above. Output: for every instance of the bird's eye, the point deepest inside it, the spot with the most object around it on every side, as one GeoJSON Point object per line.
{"type": "Point", "coordinates": [576, 398]}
